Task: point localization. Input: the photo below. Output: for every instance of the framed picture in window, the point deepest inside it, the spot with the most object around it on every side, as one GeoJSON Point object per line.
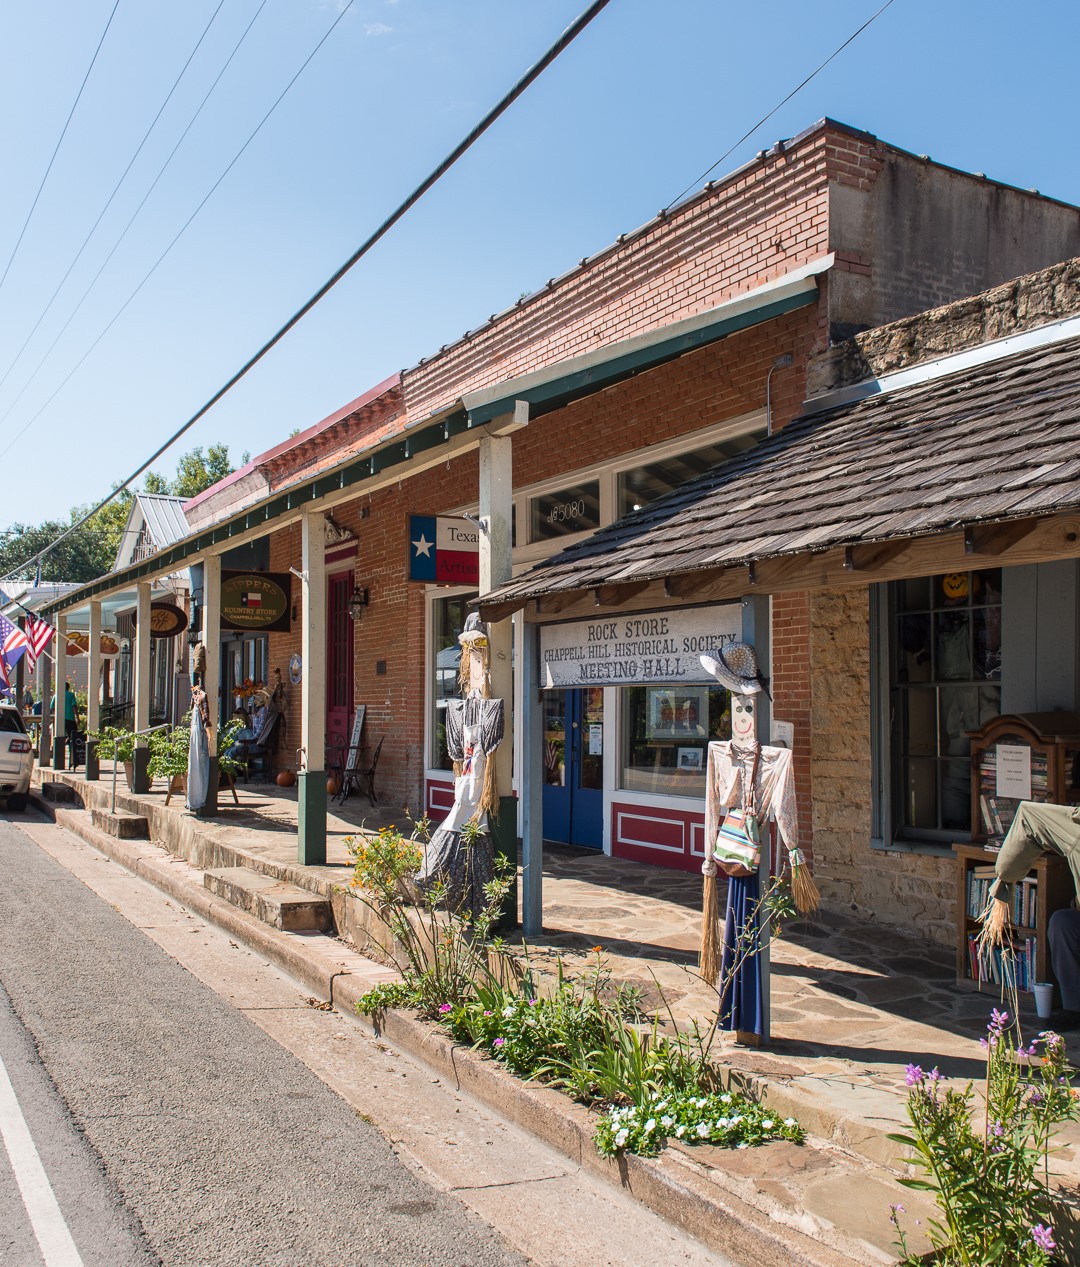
{"type": "Point", "coordinates": [689, 759]}
{"type": "Point", "coordinates": [676, 712]}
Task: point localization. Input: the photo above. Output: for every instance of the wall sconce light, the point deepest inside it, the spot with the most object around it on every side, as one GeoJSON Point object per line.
{"type": "Point", "coordinates": [358, 602]}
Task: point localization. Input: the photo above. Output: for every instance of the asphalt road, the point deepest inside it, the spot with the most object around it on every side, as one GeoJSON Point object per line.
{"type": "Point", "coordinates": [170, 1127]}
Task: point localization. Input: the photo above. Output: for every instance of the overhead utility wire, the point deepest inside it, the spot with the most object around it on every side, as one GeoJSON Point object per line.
{"type": "Point", "coordinates": [116, 190]}
{"type": "Point", "coordinates": [71, 112]}
{"type": "Point", "coordinates": [534, 72]}
{"type": "Point", "coordinates": [119, 240]}
{"type": "Point", "coordinates": [134, 215]}
{"type": "Point", "coordinates": [765, 118]}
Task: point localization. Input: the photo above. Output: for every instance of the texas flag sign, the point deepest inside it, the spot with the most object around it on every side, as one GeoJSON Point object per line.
{"type": "Point", "coordinates": [443, 550]}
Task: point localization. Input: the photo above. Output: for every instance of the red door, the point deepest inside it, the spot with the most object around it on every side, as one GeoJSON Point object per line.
{"type": "Point", "coordinates": [339, 661]}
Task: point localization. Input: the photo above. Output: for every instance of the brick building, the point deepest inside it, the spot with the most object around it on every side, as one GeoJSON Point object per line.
{"type": "Point", "coordinates": [678, 347]}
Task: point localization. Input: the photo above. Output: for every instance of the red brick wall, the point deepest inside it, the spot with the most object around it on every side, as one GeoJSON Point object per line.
{"type": "Point", "coordinates": [765, 221]}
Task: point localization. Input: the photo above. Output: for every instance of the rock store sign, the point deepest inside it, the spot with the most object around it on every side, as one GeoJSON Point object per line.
{"type": "Point", "coordinates": [637, 649]}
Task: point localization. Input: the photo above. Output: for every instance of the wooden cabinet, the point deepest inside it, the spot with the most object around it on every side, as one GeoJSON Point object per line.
{"type": "Point", "coordinates": [1052, 742]}
{"type": "Point", "coordinates": [1044, 747]}
{"type": "Point", "coordinates": [1048, 888]}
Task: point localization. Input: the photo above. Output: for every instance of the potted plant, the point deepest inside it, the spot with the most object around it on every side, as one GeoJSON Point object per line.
{"type": "Point", "coordinates": [169, 755]}
{"type": "Point", "coordinates": [117, 743]}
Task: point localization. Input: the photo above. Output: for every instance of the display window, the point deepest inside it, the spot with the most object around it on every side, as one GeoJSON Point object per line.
{"type": "Point", "coordinates": [665, 736]}
{"type": "Point", "coordinates": [448, 620]}
{"type": "Point", "coordinates": [945, 681]}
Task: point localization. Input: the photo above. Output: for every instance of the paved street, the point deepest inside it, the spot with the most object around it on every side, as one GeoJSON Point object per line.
{"type": "Point", "coordinates": [172, 1127]}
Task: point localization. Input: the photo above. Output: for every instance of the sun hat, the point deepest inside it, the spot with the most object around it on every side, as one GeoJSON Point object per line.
{"type": "Point", "coordinates": [735, 667]}
{"type": "Point", "coordinates": [475, 630]}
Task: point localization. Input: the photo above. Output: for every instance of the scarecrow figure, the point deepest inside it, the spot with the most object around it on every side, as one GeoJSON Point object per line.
{"type": "Point", "coordinates": [474, 729]}
{"type": "Point", "coordinates": [747, 785]}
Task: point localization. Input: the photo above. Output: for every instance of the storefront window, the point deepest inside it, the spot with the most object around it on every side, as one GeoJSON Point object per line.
{"type": "Point", "coordinates": [448, 621]}
{"type": "Point", "coordinates": [945, 681]}
{"type": "Point", "coordinates": [665, 736]}
{"type": "Point", "coordinates": [565, 511]}
{"type": "Point", "coordinates": [644, 484]}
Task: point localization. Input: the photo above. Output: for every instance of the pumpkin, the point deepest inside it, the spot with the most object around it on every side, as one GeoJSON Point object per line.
{"type": "Point", "coordinates": [333, 785]}
{"type": "Point", "coordinates": [285, 778]}
{"type": "Point", "coordinates": [954, 585]}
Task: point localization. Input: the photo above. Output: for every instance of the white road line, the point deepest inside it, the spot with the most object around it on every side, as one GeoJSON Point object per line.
{"type": "Point", "coordinates": [57, 1247]}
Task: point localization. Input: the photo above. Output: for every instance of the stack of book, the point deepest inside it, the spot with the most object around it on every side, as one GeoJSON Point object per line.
{"type": "Point", "coordinates": [1010, 965]}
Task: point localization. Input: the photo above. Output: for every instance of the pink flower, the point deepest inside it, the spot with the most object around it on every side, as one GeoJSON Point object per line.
{"type": "Point", "coordinates": [914, 1076]}
{"type": "Point", "coordinates": [1043, 1236]}
{"type": "Point", "coordinates": [445, 1007]}
{"type": "Point", "coordinates": [499, 1042]}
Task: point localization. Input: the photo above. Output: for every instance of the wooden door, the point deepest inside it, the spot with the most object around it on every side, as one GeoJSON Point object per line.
{"type": "Point", "coordinates": [339, 659]}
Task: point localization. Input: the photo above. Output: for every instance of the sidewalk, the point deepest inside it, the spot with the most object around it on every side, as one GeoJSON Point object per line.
{"type": "Point", "coordinates": [852, 1005]}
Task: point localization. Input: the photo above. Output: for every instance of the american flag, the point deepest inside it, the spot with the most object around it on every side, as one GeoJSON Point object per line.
{"type": "Point", "coordinates": [13, 643]}
{"type": "Point", "coordinates": [38, 636]}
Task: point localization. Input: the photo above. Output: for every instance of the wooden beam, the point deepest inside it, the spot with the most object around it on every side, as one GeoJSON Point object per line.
{"type": "Point", "coordinates": [866, 558]}
{"type": "Point", "coordinates": [998, 539]}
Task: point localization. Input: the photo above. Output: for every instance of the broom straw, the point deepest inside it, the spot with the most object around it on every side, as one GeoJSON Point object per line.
{"type": "Point", "coordinates": [804, 888]}
{"type": "Point", "coordinates": [711, 942]}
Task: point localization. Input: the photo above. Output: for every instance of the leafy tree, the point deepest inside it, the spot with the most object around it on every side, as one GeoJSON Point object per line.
{"type": "Point", "coordinates": [196, 471]}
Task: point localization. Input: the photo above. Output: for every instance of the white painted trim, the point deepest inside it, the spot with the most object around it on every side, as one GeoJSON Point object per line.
{"type": "Point", "coordinates": [929, 371]}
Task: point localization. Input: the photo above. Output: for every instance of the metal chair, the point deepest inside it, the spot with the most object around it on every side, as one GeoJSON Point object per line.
{"type": "Point", "coordinates": [360, 776]}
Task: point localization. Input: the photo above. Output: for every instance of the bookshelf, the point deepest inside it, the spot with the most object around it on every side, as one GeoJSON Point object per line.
{"type": "Point", "coordinates": [1044, 750]}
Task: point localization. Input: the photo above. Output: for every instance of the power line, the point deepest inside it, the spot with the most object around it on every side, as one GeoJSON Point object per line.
{"type": "Point", "coordinates": [56, 151]}
{"type": "Point", "coordinates": [765, 118]}
{"type": "Point", "coordinates": [563, 42]}
{"type": "Point", "coordinates": [116, 245]}
{"type": "Point", "coordinates": [116, 190]}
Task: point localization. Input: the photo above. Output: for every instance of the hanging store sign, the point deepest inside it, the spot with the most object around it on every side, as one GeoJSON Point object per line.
{"type": "Point", "coordinates": [444, 550]}
{"type": "Point", "coordinates": [642, 648]}
{"type": "Point", "coordinates": [256, 602]}
{"type": "Point", "coordinates": [166, 619]}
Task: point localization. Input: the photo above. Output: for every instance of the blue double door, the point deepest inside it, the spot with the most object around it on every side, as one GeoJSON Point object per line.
{"type": "Point", "coordinates": [574, 767]}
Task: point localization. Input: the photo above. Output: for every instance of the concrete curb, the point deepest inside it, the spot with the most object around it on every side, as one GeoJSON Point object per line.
{"type": "Point", "coordinates": [698, 1199]}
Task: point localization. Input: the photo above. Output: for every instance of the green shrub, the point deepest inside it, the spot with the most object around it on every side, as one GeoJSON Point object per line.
{"type": "Point", "coordinates": [117, 743]}
{"type": "Point", "coordinates": [988, 1166]}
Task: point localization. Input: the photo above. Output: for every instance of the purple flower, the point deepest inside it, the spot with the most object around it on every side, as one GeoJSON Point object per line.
{"type": "Point", "coordinates": [914, 1076]}
{"type": "Point", "coordinates": [997, 1130]}
{"type": "Point", "coordinates": [998, 1020]}
{"type": "Point", "coordinates": [1043, 1236]}
{"type": "Point", "coordinates": [533, 1002]}
{"type": "Point", "coordinates": [499, 1042]}
{"type": "Point", "coordinates": [445, 1007]}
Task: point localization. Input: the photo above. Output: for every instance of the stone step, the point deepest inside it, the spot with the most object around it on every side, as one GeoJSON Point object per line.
{"type": "Point", "coordinates": [54, 790]}
{"type": "Point", "coordinates": [275, 902]}
{"type": "Point", "coordinates": [121, 824]}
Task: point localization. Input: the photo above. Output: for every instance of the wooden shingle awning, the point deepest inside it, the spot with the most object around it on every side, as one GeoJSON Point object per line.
{"type": "Point", "coordinates": [975, 468]}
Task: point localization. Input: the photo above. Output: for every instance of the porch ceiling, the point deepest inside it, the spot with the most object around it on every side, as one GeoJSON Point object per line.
{"type": "Point", "coordinates": [976, 467]}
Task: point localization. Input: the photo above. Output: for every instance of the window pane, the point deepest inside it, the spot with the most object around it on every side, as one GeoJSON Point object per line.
{"type": "Point", "coordinates": [592, 714]}
{"type": "Point", "coordinates": [449, 621]}
{"type": "Point", "coordinates": [555, 738]}
{"type": "Point", "coordinates": [665, 736]}
{"type": "Point", "coordinates": [952, 646]}
{"type": "Point", "coordinates": [914, 663]}
{"type": "Point", "coordinates": [946, 649]}
{"type": "Point", "coordinates": [644, 484]}
{"type": "Point", "coordinates": [569, 510]}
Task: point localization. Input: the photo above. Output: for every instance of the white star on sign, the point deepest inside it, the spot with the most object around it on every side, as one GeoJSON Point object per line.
{"type": "Point", "coordinates": [423, 546]}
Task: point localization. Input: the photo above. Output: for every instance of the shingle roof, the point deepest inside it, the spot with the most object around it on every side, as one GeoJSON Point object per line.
{"type": "Point", "coordinates": [995, 442]}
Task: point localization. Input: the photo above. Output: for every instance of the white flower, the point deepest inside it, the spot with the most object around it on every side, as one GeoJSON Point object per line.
{"type": "Point", "coordinates": [666, 1120]}
{"type": "Point", "coordinates": [725, 1098]}
{"type": "Point", "coordinates": [790, 1121]}
{"type": "Point", "coordinates": [702, 1129]}
{"type": "Point", "coordinates": [700, 1103]}
{"type": "Point", "coordinates": [650, 1125]}
{"type": "Point", "coordinates": [679, 1131]}
{"type": "Point", "coordinates": [621, 1137]}
{"type": "Point", "coordinates": [508, 1011]}
{"type": "Point", "coordinates": [768, 1124]}
{"type": "Point", "coordinates": [740, 1145]}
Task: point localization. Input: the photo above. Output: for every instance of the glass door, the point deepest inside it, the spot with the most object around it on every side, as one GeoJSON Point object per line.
{"type": "Point", "coordinates": [574, 766]}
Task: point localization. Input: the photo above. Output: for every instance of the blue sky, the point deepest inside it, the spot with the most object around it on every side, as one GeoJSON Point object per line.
{"type": "Point", "coordinates": [634, 112]}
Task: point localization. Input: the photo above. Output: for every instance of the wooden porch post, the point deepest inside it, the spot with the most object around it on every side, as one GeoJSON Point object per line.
{"type": "Point", "coordinates": [59, 730]}
{"type": "Point", "coordinates": [531, 733]}
{"type": "Point", "coordinates": [141, 781]}
{"type": "Point", "coordinates": [212, 680]}
{"type": "Point", "coordinates": [496, 568]}
{"type": "Point", "coordinates": [93, 688]}
{"type": "Point", "coordinates": [311, 780]}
